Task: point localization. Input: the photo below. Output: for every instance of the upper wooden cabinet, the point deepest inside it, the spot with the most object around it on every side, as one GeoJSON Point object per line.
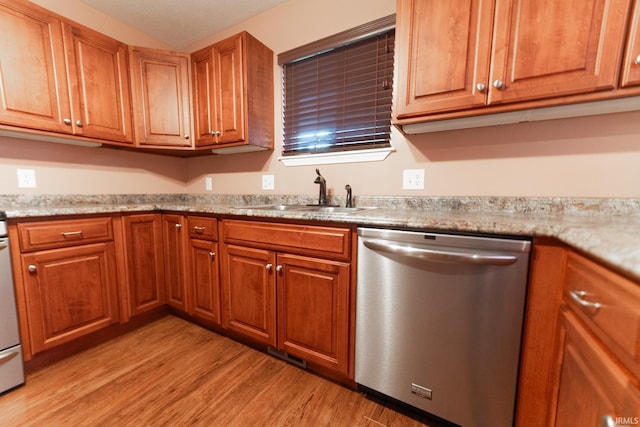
{"type": "Point", "coordinates": [60, 77]}
{"type": "Point", "coordinates": [631, 65]}
{"type": "Point", "coordinates": [160, 90]}
{"type": "Point", "coordinates": [99, 81]}
{"type": "Point", "coordinates": [462, 54]}
{"type": "Point", "coordinates": [233, 95]}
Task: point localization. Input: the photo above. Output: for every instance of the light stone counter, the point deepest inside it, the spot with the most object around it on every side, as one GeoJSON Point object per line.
{"type": "Point", "coordinates": [606, 229]}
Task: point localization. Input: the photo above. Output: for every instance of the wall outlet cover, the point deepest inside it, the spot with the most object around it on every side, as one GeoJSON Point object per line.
{"type": "Point", "coordinates": [413, 179]}
{"type": "Point", "coordinates": [268, 182]}
{"type": "Point", "coordinates": [26, 178]}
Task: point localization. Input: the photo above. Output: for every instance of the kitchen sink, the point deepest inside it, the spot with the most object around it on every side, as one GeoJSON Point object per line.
{"type": "Point", "coordinates": [308, 208]}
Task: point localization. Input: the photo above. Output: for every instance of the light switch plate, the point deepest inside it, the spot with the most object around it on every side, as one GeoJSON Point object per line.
{"type": "Point", "coordinates": [208, 184]}
{"type": "Point", "coordinates": [26, 178]}
{"type": "Point", "coordinates": [413, 179]}
{"type": "Point", "coordinates": [268, 182]}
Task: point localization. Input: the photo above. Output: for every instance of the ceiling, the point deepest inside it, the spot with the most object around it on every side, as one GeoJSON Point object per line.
{"type": "Point", "coordinates": [180, 24]}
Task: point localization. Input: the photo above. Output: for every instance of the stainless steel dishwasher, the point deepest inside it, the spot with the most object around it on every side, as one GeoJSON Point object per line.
{"type": "Point", "coordinates": [439, 322]}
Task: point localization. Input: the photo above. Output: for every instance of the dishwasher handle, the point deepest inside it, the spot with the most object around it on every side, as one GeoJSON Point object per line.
{"type": "Point", "coordinates": [440, 255]}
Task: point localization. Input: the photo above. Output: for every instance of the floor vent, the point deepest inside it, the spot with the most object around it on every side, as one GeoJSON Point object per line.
{"type": "Point", "coordinates": [301, 363]}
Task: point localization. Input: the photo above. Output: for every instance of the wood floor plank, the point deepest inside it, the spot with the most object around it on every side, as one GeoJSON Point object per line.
{"type": "Point", "coordinates": [174, 373]}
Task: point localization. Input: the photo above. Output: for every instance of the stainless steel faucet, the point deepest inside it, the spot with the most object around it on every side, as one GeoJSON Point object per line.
{"type": "Point", "coordinates": [322, 198]}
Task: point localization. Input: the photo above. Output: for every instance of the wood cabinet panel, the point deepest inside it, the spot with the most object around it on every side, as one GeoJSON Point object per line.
{"type": "Point", "coordinates": [313, 310]}
{"type": "Point", "coordinates": [204, 283]}
{"type": "Point", "coordinates": [174, 257]}
{"type": "Point", "coordinates": [249, 293]}
{"type": "Point", "coordinates": [430, 34]}
{"type": "Point", "coordinates": [631, 64]}
{"type": "Point", "coordinates": [204, 228]}
{"type": "Point", "coordinates": [143, 252]}
{"type": "Point", "coordinates": [64, 233]}
{"type": "Point", "coordinates": [160, 84]}
{"type": "Point", "coordinates": [70, 292]}
{"type": "Point", "coordinates": [99, 81]}
{"type": "Point", "coordinates": [229, 87]}
{"type": "Point", "coordinates": [548, 49]}
{"type": "Point", "coordinates": [34, 89]}
{"type": "Point", "coordinates": [591, 385]}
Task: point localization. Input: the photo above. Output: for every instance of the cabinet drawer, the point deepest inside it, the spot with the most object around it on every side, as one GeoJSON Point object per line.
{"type": "Point", "coordinates": [58, 234]}
{"type": "Point", "coordinates": [203, 228]}
{"type": "Point", "coordinates": [609, 304]}
{"type": "Point", "coordinates": [304, 239]}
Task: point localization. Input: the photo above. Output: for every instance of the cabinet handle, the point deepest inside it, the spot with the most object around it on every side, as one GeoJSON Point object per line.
{"type": "Point", "coordinates": [198, 229]}
{"type": "Point", "coordinates": [268, 266]}
{"type": "Point", "coordinates": [71, 233]}
{"type": "Point", "coordinates": [215, 133]}
{"type": "Point", "coordinates": [186, 136]}
{"type": "Point", "coordinates": [32, 268]}
{"type": "Point", "coordinates": [67, 122]}
{"type": "Point", "coordinates": [637, 60]}
{"type": "Point", "coordinates": [212, 254]}
{"type": "Point", "coordinates": [178, 226]}
{"type": "Point", "coordinates": [79, 123]}
{"type": "Point", "coordinates": [498, 84]}
{"type": "Point", "coordinates": [578, 296]}
{"type": "Point", "coordinates": [279, 268]}
{"type": "Point", "coordinates": [481, 87]}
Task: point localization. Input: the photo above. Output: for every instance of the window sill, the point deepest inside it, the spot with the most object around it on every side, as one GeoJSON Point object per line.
{"type": "Point", "coordinates": [356, 156]}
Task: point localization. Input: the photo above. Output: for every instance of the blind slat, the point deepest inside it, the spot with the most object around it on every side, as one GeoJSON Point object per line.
{"type": "Point", "coordinates": [339, 100]}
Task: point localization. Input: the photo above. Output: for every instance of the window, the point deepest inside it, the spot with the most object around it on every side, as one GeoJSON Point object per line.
{"type": "Point", "coordinates": [338, 91]}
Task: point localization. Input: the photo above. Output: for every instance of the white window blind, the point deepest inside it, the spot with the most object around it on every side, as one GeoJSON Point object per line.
{"type": "Point", "coordinates": [339, 99]}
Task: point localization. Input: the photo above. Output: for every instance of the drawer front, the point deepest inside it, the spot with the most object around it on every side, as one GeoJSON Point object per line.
{"type": "Point", "coordinates": [610, 306]}
{"type": "Point", "coordinates": [203, 228]}
{"type": "Point", "coordinates": [58, 234]}
{"type": "Point", "coordinates": [330, 242]}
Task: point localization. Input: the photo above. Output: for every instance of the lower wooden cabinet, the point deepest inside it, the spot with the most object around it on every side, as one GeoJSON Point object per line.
{"type": "Point", "coordinates": [295, 302]}
{"type": "Point", "coordinates": [203, 266]}
{"type": "Point", "coordinates": [174, 255]}
{"type": "Point", "coordinates": [66, 280]}
{"type": "Point", "coordinates": [144, 262]}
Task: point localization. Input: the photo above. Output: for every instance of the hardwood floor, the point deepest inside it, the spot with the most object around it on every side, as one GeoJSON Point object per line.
{"type": "Point", "coordinates": [172, 372]}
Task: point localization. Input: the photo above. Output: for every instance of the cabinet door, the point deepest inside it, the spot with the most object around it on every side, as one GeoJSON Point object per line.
{"type": "Point", "coordinates": [204, 285]}
{"type": "Point", "coordinates": [553, 48]}
{"type": "Point", "coordinates": [249, 293]}
{"type": "Point", "coordinates": [33, 90]}
{"type": "Point", "coordinates": [443, 53]}
{"type": "Point", "coordinates": [229, 89]}
{"type": "Point", "coordinates": [631, 64]}
{"type": "Point", "coordinates": [174, 259]}
{"type": "Point", "coordinates": [160, 92]}
{"type": "Point", "coordinates": [313, 310]}
{"type": "Point", "coordinates": [203, 97]}
{"type": "Point", "coordinates": [99, 80]}
{"type": "Point", "coordinates": [592, 386]}
{"type": "Point", "coordinates": [143, 242]}
{"type": "Point", "coordinates": [70, 292]}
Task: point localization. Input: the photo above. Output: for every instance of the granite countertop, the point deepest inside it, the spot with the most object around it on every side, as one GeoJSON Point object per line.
{"type": "Point", "coordinates": [606, 229]}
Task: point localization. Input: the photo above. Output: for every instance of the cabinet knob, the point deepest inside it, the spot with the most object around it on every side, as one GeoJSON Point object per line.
{"type": "Point", "coordinates": [637, 60]}
{"type": "Point", "coordinates": [79, 123]}
{"type": "Point", "coordinates": [186, 136]}
{"type": "Point", "coordinates": [215, 133]}
{"type": "Point", "coordinates": [279, 268]}
{"type": "Point", "coordinates": [498, 84]}
{"type": "Point", "coordinates": [67, 122]}
{"type": "Point", "coordinates": [178, 226]}
{"type": "Point", "coordinates": [268, 266]}
{"type": "Point", "coordinates": [481, 87]}
{"type": "Point", "coordinates": [32, 268]}
{"type": "Point", "coordinates": [212, 254]}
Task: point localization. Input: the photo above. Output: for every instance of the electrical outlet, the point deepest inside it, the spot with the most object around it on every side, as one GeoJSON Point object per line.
{"type": "Point", "coordinates": [268, 182]}
{"type": "Point", "coordinates": [413, 179]}
{"type": "Point", "coordinates": [208, 184]}
{"type": "Point", "coordinates": [26, 178]}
